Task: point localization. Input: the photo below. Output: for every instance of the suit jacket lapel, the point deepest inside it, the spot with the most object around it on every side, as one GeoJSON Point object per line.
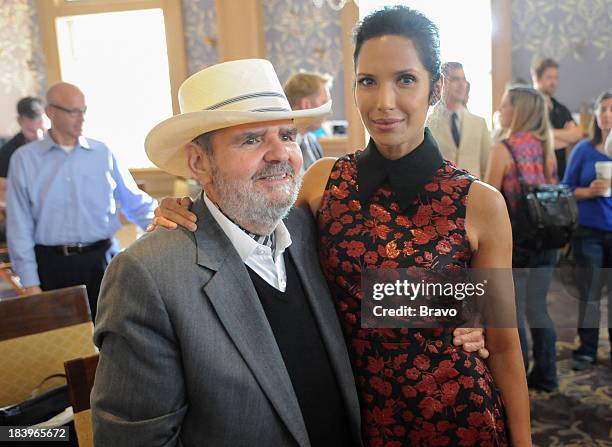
{"type": "Point", "coordinates": [304, 254]}
{"type": "Point", "coordinates": [235, 300]}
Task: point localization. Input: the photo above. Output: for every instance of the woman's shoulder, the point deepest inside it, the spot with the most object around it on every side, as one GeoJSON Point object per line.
{"type": "Point", "coordinates": [320, 174]}
{"type": "Point", "coordinates": [317, 174]}
{"type": "Point", "coordinates": [486, 201]}
{"type": "Point", "coordinates": [583, 146]}
{"type": "Point", "coordinates": [350, 158]}
{"type": "Point", "coordinates": [582, 152]}
{"type": "Point", "coordinates": [324, 167]}
{"type": "Point", "coordinates": [523, 137]}
{"type": "Point", "coordinates": [344, 166]}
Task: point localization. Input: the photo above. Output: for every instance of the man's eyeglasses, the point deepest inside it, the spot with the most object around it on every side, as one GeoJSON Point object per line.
{"type": "Point", "coordinates": [72, 112]}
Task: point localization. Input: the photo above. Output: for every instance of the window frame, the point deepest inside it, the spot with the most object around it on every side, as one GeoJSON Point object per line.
{"type": "Point", "coordinates": [50, 10]}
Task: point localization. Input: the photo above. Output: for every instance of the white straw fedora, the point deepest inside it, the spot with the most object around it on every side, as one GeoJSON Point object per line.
{"type": "Point", "coordinates": [220, 96]}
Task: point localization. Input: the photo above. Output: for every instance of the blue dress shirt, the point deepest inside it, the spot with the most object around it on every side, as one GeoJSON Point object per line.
{"type": "Point", "coordinates": [56, 197]}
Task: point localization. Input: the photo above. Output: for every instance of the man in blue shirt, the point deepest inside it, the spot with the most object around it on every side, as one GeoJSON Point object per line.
{"type": "Point", "coordinates": [61, 201]}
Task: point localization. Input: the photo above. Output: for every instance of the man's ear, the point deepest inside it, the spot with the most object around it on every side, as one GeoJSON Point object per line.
{"type": "Point", "coordinates": [199, 164]}
{"type": "Point", "coordinates": [49, 111]}
{"type": "Point", "coordinates": [436, 91]}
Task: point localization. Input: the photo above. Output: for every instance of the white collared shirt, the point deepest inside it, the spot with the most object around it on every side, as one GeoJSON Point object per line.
{"type": "Point", "coordinates": [269, 266]}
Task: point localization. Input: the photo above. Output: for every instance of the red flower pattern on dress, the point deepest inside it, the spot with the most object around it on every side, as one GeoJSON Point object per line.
{"type": "Point", "coordinates": [423, 216]}
{"type": "Point", "coordinates": [415, 387]}
{"type": "Point", "coordinates": [355, 249]}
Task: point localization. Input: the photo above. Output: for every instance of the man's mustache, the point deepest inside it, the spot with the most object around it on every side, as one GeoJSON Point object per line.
{"type": "Point", "coordinates": [283, 167]}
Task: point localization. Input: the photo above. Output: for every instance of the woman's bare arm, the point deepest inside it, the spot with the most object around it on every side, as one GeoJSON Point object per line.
{"type": "Point", "coordinates": [490, 235]}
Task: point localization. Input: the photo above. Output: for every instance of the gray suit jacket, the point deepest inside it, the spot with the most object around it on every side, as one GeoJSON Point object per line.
{"type": "Point", "coordinates": [187, 355]}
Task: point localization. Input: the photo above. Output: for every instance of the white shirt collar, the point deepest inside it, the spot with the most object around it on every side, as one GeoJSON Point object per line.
{"type": "Point", "coordinates": [449, 112]}
{"type": "Point", "coordinates": [244, 244]}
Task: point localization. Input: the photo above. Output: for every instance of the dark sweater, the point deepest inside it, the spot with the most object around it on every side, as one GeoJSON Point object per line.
{"type": "Point", "coordinates": [306, 358]}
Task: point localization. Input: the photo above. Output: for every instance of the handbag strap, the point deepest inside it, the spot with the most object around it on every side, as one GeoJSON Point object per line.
{"type": "Point", "coordinates": [36, 389]}
{"type": "Point", "coordinates": [513, 155]}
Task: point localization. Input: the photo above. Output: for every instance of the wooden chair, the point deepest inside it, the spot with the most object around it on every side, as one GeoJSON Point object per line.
{"type": "Point", "coordinates": [38, 333]}
{"type": "Point", "coordinates": [80, 374]}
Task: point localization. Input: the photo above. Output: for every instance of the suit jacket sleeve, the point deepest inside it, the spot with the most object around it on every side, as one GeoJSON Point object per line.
{"type": "Point", "coordinates": [138, 398]}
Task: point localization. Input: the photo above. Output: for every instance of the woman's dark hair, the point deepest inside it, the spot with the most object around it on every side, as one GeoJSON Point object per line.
{"type": "Point", "coordinates": [405, 22]}
{"type": "Point", "coordinates": [595, 134]}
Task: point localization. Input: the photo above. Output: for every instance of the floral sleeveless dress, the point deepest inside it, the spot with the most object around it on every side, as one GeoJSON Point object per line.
{"type": "Point", "coordinates": [415, 387]}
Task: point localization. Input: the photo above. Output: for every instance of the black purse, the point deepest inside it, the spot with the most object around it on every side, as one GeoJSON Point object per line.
{"type": "Point", "coordinates": [37, 409]}
{"type": "Point", "coordinates": [545, 217]}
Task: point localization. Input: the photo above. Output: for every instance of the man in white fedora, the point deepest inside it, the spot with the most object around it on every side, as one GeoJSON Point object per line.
{"type": "Point", "coordinates": [226, 336]}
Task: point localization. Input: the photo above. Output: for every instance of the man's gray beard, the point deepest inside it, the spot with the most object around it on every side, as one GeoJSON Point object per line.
{"type": "Point", "coordinates": [250, 208]}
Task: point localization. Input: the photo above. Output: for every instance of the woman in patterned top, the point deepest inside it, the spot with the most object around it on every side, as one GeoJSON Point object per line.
{"type": "Point", "coordinates": [524, 113]}
{"type": "Point", "coordinates": [399, 204]}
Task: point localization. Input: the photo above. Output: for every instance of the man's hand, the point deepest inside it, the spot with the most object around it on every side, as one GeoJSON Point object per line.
{"type": "Point", "coordinates": [32, 290]}
{"type": "Point", "coordinates": [173, 211]}
{"type": "Point", "coordinates": [471, 340]}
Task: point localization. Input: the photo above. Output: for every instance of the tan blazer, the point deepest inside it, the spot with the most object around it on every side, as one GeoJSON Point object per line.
{"type": "Point", "coordinates": [474, 144]}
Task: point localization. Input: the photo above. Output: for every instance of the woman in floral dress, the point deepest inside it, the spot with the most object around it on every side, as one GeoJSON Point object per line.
{"type": "Point", "coordinates": [399, 204]}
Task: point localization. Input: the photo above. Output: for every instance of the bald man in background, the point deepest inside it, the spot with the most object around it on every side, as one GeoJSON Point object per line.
{"type": "Point", "coordinates": [61, 202]}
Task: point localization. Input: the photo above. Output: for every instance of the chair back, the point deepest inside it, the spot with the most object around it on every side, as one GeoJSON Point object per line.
{"type": "Point", "coordinates": [38, 333]}
{"type": "Point", "coordinates": [80, 374]}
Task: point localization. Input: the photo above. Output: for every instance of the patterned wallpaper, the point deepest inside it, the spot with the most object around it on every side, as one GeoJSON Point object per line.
{"type": "Point", "coordinates": [300, 36]}
{"type": "Point", "coordinates": [200, 27]}
{"type": "Point", "coordinates": [21, 59]}
{"type": "Point", "coordinates": [576, 33]}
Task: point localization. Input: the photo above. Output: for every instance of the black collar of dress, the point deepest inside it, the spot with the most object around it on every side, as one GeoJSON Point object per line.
{"type": "Point", "coordinates": [407, 175]}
